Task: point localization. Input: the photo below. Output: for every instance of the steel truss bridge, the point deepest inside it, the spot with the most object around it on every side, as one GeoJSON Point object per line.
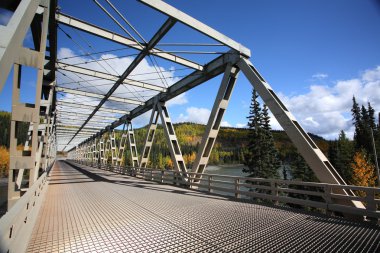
{"type": "Point", "coordinates": [93, 202]}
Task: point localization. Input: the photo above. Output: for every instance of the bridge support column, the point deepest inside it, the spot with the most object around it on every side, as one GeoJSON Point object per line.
{"type": "Point", "coordinates": [101, 150]}
{"type": "Point", "coordinates": [95, 153]}
{"type": "Point", "coordinates": [114, 151]}
{"type": "Point", "coordinates": [33, 156]}
{"type": "Point", "coordinates": [107, 151]}
{"type": "Point", "coordinates": [215, 119]}
{"type": "Point", "coordinates": [149, 138]}
{"type": "Point", "coordinates": [132, 145]}
{"type": "Point", "coordinates": [171, 140]}
{"type": "Point", "coordinates": [128, 136]}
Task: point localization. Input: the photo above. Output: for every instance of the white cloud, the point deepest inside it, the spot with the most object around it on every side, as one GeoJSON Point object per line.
{"type": "Point", "coordinates": [142, 120]}
{"type": "Point", "coordinates": [274, 123]}
{"type": "Point", "coordinates": [195, 115]}
{"type": "Point", "coordinates": [325, 110]}
{"type": "Point", "coordinates": [372, 74]}
{"type": "Point", "coordinates": [178, 100]}
{"type": "Point", "coordinates": [241, 125]}
{"type": "Point", "coordinates": [225, 124]}
{"type": "Point", "coordinates": [319, 76]}
{"type": "Point", "coordinates": [115, 66]}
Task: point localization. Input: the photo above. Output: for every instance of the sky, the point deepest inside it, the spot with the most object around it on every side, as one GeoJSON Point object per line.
{"type": "Point", "coordinates": [315, 54]}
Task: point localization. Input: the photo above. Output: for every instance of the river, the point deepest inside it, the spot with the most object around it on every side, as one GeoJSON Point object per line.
{"type": "Point", "coordinates": [229, 170]}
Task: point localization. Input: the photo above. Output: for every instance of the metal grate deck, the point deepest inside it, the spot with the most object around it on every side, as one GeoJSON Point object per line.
{"type": "Point", "coordinates": [91, 210]}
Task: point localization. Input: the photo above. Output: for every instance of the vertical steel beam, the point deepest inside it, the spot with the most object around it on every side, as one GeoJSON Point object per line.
{"type": "Point", "coordinates": [149, 138]}
{"type": "Point", "coordinates": [122, 143]}
{"type": "Point", "coordinates": [94, 149]}
{"type": "Point", "coordinates": [129, 137]}
{"type": "Point", "coordinates": [114, 153]}
{"type": "Point", "coordinates": [107, 151]}
{"type": "Point", "coordinates": [101, 150]}
{"type": "Point", "coordinates": [172, 141]}
{"type": "Point", "coordinates": [132, 145]}
{"type": "Point", "coordinates": [31, 158]}
{"type": "Point", "coordinates": [212, 128]}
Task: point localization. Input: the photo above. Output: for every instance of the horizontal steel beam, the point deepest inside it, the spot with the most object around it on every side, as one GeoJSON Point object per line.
{"type": "Point", "coordinates": [77, 114]}
{"type": "Point", "coordinates": [102, 75]}
{"type": "Point", "coordinates": [182, 17]}
{"type": "Point", "coordinates": [91, 124]}
{"type": "Point", "coordinates": [63, 103]}
{"type": "Point", "coordinates": [94, 95]}
{"type": "Point", "coordinates": [65, 128]}
{"type": "Point", "coordinates": [71, 133]}
{"type": "Point", "coordinates": [77, 127]}
{"type": "Point", "coordinates": [112, 36]}
{"type": "Point", "coordinates": [63, 119]}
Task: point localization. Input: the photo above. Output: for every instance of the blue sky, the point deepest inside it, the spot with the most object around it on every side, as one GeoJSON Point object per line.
{"type": "Point", "coordinates": [315, 54]}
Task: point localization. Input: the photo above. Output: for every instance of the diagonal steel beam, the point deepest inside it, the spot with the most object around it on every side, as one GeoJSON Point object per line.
{"type": "Point", "coordinates": [169, 23]}
{"type": "Point", "coordinates": [94, 95]}
{"type": "Point", "coordinates": [112, 36]}
{"type": "Point", "coordinates": [13, 35]}
{"type": "Point", "coordinates": [182, 17]}
{"type": "Point", "coordinates": [99, 74]}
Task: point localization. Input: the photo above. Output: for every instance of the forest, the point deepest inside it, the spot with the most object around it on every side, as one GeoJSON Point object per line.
{"type": "Point", "coordinates": [354, 159]}
{"type": "Point", "coordinates": [229, 148]}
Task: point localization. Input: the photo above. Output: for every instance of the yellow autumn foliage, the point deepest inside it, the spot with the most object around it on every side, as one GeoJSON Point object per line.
{"type": "Point", "coordinates": [4, 161]}
{"type": "Point", "coordinates": [363, 170]}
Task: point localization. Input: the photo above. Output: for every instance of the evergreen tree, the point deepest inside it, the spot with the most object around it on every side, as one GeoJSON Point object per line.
{"type": "Point", "coordinates": [343, 156]}
{"type": "Point", "coordinates": [261, 156]}
{"type": "Point", "coordinates": [371, 117]}
{"type": "Point", "coordinates": [357, 121]}
{"type": "Point", "coordinates": [272, 161]}
{"type": "Point", "coordinates": [364, 121]}
{"type": "Point", "coordinates": [301, 171]}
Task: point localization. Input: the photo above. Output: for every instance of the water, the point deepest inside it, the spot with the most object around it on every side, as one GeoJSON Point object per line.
{"type": "Point", "coordinates": [226, 170]}
{"type": "Point", "coordinates": [229, 170]}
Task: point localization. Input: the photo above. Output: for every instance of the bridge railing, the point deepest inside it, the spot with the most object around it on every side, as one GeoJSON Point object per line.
{"type": "Point", "coordinates": [17, 224]}
{"type": "Point", "coordinates": [313, 196]}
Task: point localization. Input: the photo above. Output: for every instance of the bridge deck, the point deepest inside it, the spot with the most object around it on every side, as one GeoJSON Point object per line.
{"type": "Point", "coordinates": [91, 210]}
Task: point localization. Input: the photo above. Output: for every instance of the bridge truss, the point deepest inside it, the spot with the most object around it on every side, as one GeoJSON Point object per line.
{"type": "Point", "coordinates": [81, 98]}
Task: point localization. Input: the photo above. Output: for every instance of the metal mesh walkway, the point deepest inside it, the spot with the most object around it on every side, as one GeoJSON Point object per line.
{"type": "Point", "coordinates": [91, 210]}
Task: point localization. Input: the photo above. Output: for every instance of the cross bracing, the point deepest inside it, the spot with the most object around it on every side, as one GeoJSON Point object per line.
{"type": "Point", "coordinates": [95, 79]}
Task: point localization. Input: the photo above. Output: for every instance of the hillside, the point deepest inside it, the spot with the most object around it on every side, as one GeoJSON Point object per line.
{"type": "Point", "coordinates": [228, 149]}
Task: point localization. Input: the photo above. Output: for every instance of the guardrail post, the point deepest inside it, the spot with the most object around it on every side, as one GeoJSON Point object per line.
{"type": "Point", "coordinates": [237, 188]}
{"type": "Point", "coordinates": [371, 204]}
{"type": "Point", "coordinates": [209, 183]}
{"type": "Point", "coordinates": [274, 190]}
{"type": "Point", "coordinates": [328, 199]}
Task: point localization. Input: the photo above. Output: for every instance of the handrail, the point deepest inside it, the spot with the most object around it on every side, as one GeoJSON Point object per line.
{"type": "Point", "coordinates": [307, 194]}
{"type": "Point", "coordinates": [17, 224]}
